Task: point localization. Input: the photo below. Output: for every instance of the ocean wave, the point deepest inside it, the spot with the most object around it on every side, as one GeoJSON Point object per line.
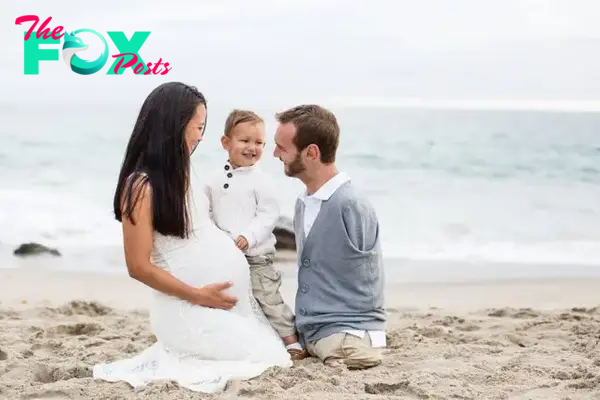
{"type": "Point", "coordinates": [56, 217]}
{"type": "Point", "coordinates": [471, 166]}
{"type": "Point", "coordinates": [73, 223]}
{"type": "Point", "coordinates": [551, 252]}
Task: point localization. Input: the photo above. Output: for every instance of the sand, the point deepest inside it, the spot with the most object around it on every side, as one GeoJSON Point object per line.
{"type": "Point", "coordinates": [519, 339]}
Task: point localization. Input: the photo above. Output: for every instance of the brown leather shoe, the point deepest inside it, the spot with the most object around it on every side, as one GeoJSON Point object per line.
{"type": "Point", "coordinates": [298, 355]}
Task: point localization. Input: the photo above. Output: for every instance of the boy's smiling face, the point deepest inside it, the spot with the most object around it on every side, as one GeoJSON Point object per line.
{"type": "Point", "coordinates": [245, 143]}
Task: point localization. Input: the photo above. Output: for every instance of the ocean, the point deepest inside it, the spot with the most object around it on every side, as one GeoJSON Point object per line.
{"type": "Point", "coordinates": [451, 187]}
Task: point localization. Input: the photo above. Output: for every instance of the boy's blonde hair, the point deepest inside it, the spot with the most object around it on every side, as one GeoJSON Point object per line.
{"type": "Point", "coordinates": [237, 117]}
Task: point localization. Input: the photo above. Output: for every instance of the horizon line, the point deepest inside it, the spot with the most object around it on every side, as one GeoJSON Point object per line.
{"type": "Point", "coordinates": [374, 102]}
{"type": "Point", "coordinates": [469, 104]}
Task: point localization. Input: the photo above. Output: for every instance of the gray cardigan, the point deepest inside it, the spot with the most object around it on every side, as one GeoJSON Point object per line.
{"type": "Point", "coordinates": [340, 273]}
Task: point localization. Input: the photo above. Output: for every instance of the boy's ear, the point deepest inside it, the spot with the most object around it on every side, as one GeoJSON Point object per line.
{"type": "Point", "coordinates": [225, 142]}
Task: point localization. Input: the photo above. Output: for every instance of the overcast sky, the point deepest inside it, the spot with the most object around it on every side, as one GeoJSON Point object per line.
{"type": "Point", "coordinates": [326, 50]}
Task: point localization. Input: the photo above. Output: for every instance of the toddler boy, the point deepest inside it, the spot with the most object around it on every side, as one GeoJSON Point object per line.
{"type": "Point", "coordinates": [244, 205]}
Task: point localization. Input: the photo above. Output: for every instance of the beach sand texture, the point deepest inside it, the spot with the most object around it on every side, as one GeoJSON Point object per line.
{"type": "Point", "coordinates": [466, 347]}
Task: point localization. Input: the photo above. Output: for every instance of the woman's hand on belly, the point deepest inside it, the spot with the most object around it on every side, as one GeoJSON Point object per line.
{"type": "Point", "coordinates": [213, 296]}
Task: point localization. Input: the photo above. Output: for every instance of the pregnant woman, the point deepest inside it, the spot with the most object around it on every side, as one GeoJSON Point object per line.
{"type": "Point", "coordinates": [208, 326]}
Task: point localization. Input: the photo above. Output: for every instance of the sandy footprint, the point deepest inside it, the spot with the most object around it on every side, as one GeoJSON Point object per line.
{"type": "Point", "coordinates": [81, 328]}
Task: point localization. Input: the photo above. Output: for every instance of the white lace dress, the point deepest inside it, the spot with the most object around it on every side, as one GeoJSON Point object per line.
{"type": "Point", "coordinates": [202, 348]}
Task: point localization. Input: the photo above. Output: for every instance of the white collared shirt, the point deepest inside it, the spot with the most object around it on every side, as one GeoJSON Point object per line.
{"type": "Point", "coordinates": [312, 206]}
{"type": "Point", "coordinates": [312, 203]}
{"type": "Point", "coordinates": [243, 202]}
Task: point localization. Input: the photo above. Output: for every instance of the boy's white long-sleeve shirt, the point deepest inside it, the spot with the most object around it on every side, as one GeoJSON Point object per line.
{"type": "Point", "coordinates": [243, 202]}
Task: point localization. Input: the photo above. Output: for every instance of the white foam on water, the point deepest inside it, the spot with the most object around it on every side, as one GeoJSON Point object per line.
{"type": "Point", "coordinates": [432, 218]}
{"type": "Point", "coordinates": [56, 218]}
{"type": "Point", "coordinates": [563, 253]}
{"type": "Point", "coordinates": [419, 225]}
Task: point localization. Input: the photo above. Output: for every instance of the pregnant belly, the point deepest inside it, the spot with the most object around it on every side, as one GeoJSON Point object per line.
{"type": "Point", "coordinates": [211, 257]}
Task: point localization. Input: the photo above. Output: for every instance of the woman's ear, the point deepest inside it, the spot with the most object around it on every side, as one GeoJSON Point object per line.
{"type": "Point", "coordinates": [225, 142]}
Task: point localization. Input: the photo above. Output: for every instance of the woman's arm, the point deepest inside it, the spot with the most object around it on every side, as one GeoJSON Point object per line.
{"type": "Point", "coordinates": [137, 241]}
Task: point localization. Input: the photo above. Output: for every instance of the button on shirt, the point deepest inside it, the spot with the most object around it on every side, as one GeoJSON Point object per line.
{"type": "Point", "coordinates": [243, 202]}
{"type": "Point", "coordinates": [312, 206]}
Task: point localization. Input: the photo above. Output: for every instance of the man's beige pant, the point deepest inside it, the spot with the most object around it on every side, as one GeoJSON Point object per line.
{"type": "Point", "coordinates": [266, 282]}
{"type": "Point", "coordinates": [344, 348]}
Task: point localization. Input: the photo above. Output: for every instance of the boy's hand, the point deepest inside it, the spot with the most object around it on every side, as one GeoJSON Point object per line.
{"type": "Point", "coordinates": [241, 243]}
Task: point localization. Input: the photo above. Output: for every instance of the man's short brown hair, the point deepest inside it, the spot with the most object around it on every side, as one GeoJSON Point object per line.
{"type": "Point", "coordinates": [237, 117]}
{"type": "Point", "coordinates": [314, 125]}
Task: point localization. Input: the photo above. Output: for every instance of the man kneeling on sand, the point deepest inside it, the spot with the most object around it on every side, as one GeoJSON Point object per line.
{"type": "Point", "coordinates": [340, 312]}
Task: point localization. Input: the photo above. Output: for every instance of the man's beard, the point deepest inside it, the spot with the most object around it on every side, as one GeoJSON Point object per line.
{"type": "Point", "coordinates": [296, 167]}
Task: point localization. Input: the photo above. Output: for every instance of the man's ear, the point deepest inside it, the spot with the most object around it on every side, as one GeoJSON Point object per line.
{"type": "Point", "coordinates": [225, 142]}
{"type": "Point", "coordinates": [312, 151]}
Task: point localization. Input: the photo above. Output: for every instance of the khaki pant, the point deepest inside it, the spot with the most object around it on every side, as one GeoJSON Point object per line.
{"type": "Point", "coordinates": [266, 281]}
{"type": "Point", "coordinates": [344, 348]}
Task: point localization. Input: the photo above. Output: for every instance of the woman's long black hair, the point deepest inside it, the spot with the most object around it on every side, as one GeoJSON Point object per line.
{"type": "Point", "coordinates": [157, 155]}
